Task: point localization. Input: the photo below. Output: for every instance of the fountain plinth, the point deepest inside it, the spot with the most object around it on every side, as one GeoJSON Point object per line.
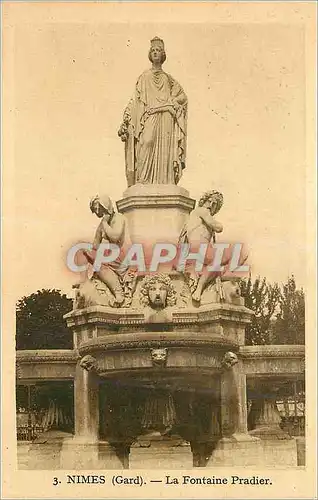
{"type": "Point", "coordinates": [155, 213]}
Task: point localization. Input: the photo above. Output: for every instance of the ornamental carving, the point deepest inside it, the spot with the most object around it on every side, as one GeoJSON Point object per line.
{"type": "Point", "coordinates": [88, 363]}
{"type": "Point", "coordinates": [159, 356]}
{"type": "Point", "coordinates": [157, 292]}
{"type": "Point", "coordinates": [229, 360]}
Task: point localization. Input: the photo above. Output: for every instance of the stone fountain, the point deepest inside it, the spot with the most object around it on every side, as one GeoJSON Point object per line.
{"type": "Point", "coordinates": [159, 362]}
{"type": "Point", "coordinates": [171, 338]}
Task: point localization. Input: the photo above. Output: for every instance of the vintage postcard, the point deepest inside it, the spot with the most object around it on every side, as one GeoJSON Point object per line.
{"type": "Point", "coordinates": [159, 268]}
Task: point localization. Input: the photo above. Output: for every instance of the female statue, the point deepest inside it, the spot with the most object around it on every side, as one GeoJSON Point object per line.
{"type": "Point", "coordinates": [112, 229]}
{"type": "Point", "coordinates": [201, 227]}
{"type": "Point", "coordinates": [154, 125]}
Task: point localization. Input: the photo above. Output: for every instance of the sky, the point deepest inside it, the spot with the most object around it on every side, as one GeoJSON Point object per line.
{"type": "Point", "coordinates": [71, 80]}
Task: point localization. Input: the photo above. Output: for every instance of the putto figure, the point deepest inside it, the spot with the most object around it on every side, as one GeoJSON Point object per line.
{"type": "Point", "coordinates": [157, 292]}
{"type": "Point", "coordinates": [154, 125]}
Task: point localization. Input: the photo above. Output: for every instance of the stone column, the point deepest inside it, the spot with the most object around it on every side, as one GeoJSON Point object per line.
{"type": "Point", "coordinates": [85, 450]}
{"type": "Point", "coordinates": [228, 404]}
{"type": "Point", "coordinates": [233, 401]}
{"type": "Point", "coordinates": [240, 399]}
{"type": "Point", "coordinates": [86, 404]}
{"type": "Point", "coordinates": [236, 447]}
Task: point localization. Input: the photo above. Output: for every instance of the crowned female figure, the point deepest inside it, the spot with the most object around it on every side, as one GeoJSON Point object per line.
{"type": "Point", "coordinates": [154, 125]}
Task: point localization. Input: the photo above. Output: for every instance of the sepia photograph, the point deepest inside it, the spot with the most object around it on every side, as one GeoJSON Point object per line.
{"type": "Point", "coordinates": [159, 324]}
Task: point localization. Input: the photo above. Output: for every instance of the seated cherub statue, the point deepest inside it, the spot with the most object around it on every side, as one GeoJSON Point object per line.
{"type": "Point", "coordinates": [201, 227]}
{"type": "Point", "coordinates": [111, 229]}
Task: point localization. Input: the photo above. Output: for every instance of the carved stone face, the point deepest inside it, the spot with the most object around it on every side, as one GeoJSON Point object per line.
{"type": "Point", "coordinates": [157, 292]}
{"type": "Point", "coordinates": [100, 211]}
{"type": "Point", "coordinates": [159, 356]}
{"type": "Point", "coordinates": [157, 295]}
{"type": "Point", "coordinates": [230, 359]}
{"type": "Point", "coordinates": [213, 206]}
{"type": "Point", "coordinates": [212, 200]}
{"type": "Point", "coordinates": [156, 55]}
{"type": "Point", "coordinates": [88, 363]}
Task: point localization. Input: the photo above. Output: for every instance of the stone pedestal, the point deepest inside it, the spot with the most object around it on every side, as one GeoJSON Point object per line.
{"type": "Point", "coordinates": [45, 452]}
{"type": "Point", "coordinates": [301, 451]}
{"type": "Point", "coordinates": [279, 453]}
{"type": "Point", "coordinates": [239, 450]}
{"type": "Point", "coordinates": [23, 451]}
{"type": "Point", "coordinates": [120, 344]}
{"type": "Point", "coordinates": [155, 213]}
{"type": "Point", "coordinates": [279, 449]}
{"type": "Point", "coordinates": [267, 420]}
{"type": "Point", "coordinates": [81, 454]}
{"type": "Point", "coordinates": [160, 452]}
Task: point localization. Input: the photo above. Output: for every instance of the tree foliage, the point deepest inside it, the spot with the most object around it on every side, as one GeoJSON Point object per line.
{"type": "Point", "coordinates": [40, 323]}
{"type": "Point", "coordinates": [289, 327]}
{"type": "Point", "coordinates": [262, 298]}
{"type": "Point", "coordinates": [279, 312]}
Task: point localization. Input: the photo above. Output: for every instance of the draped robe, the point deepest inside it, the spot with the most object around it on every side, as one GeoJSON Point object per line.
{"type": "Point", "coordinates": [156, 144]}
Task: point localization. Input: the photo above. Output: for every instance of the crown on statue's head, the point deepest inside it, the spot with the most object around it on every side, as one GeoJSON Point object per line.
{"type": "Point", "coordinates": [157, 42]}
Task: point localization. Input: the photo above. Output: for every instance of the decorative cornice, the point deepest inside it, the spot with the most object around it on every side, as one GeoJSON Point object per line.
{"type": "Point", "coordinates": [273, 351]}
{"type": "Point", "coordinates": [47, 356]}
{"type": "Point", "coordinates": [126, 317]}
{"type": "Point", "coordinates": [84, 315]}
{"type": "Point", "coordinates": [127, 342]}
{"type": "Point", "coordinates": [214, 312]}
{"type": "Point", "coordinates": [104, 315]}
{"type": "Point", "coordinates": [154, 201]}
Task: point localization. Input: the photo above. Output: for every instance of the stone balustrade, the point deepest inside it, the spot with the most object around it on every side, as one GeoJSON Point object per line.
{"type": "Point", "coordinates": [55, 364]}
{"type": "Point", "coordinates": [263, 360]}
{"type": "Point", "coordinates": [46, 364]}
